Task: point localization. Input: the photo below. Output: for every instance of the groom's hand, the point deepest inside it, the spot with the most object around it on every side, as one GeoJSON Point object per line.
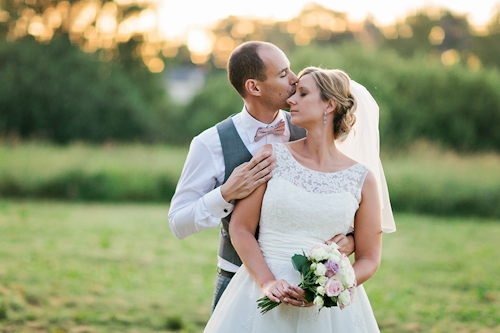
{"type": "Point", "coordinates": [248, 176]}
{"type": "Point", "coordinates": [345, 243]}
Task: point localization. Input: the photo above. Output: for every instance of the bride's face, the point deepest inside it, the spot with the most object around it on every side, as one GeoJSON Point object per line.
{"type": "Point", "coordinates": [306, 106]}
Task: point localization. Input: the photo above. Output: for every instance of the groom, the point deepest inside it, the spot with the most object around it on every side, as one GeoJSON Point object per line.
{"type": "Point", "coordinates": [221, 165]}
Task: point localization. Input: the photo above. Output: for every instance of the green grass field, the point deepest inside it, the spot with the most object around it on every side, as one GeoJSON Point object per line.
{"type": "Point", "coordinates": [85, 267]}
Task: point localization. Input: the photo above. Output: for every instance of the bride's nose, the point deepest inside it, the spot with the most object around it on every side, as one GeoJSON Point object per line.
{"type": "Point", "coordinates": [290, 100]}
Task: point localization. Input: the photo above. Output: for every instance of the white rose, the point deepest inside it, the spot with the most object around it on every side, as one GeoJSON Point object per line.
{"type": "Point", "coordinates": [319, 301]}
{"type": "Point", "coordinates": [319, 254]}
{"type": "Point", "coordinates": [322, 280]}
{"type": "Point", "coordinates": [345, 297]}
{"type": "Point", "coordinates": [321, 290]}
{"type": "Point", "coordinates": [350, 277]}
{"type": "Point", "coordinates": [334, 257]}
{"type": "Point", "coordinates": [343, 264]}
{"type": "Point", "coordinates": [313, 266]}
{"type": "Point", "coordinates": [347, 277]}
{"type": "Point", "coordinates": [320, 269]}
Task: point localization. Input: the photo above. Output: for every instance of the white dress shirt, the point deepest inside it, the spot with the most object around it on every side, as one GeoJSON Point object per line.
{"type": "Point", "coordinates": [198, 203]}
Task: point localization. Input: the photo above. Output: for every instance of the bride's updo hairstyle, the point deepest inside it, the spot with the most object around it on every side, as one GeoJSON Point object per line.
{"type": "Point", "coordinates": [336, 84]}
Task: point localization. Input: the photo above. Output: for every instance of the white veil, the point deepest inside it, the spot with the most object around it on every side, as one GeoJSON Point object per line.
{"type": "Point", "coordinates": [363, 145]}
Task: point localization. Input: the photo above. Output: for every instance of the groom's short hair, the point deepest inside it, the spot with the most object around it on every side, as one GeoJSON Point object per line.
{"type": "Point", "coordinates": [245, 63]}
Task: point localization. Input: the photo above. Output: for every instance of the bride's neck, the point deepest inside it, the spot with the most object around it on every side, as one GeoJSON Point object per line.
{"type": "Point", "coordinates": [320, 148]}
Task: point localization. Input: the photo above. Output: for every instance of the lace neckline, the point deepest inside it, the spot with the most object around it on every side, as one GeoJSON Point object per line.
{"type": "Point", "coordinates": [289, 153]}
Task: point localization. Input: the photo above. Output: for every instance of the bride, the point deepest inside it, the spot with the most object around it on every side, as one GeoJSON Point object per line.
{"type": "Point", "coordinates": [315, 193]}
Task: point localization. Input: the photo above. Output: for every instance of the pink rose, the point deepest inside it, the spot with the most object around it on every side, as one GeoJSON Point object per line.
{"type": "Point", "coordinates": [333, 287]}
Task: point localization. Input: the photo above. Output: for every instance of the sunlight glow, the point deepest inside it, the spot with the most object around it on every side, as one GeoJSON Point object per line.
{"type": "Point", "coordinates": [436, 36]}
{"type": "Point", "coordinates": [384, 12]}
{"type": "Point", "coordinates": [214, 29]}
{"type": "Point", "coordinates": [450, 57]}
{"type": "Point", "coordinates": [405, 31]}
{"type": "Point", "coordinates": [4, 16]}
{"type": "Point", "coordinates": [200, 42]}
{"type": "Point", "coordinates": [473, 62]}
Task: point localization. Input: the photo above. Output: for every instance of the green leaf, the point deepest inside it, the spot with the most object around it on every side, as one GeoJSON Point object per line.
{"type": "Point", "coordinates": [309, 295]}
{"type": "Point", "coordinates": [329, 302]}
{"type": "Point", "coordinates": [299, 262]}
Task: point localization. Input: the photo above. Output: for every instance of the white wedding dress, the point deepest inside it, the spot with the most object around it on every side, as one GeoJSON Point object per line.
{"type": "Point", "coordinates": [300, 207]}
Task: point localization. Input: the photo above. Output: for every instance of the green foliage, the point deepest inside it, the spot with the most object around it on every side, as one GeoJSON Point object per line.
{"type": "Point", "coordinates": [77, 172]}
{"type": "Point", "coordinates": [3, 312]}
{"type": "Point", "coordinates": [433, 181]}
{"type": "Point", "coordinates": [174, 323]}
{"type": "Point", "coordinates": [59, 93]}
{"type": "Point", "coordinates": [419, 98]}
{"type": "Point", "coordinates": [423, 180]}
{"type": "Point", "coordinates": [217, 101]}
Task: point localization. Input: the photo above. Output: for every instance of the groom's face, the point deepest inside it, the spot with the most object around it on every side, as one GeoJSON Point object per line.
{"type": "Point", "coordinates": [280, 83]}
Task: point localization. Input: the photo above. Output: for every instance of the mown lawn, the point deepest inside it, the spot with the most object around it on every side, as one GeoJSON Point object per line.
{"type": "Point", "coordinates": [82, 267]}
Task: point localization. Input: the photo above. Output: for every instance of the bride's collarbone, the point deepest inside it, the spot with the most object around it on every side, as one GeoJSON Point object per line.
{"type": "Point", "coordinates": [326, 165]}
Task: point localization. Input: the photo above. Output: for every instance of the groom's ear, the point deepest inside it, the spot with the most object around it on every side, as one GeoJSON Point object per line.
{"type": "Point", "coordinates": [252, 87]}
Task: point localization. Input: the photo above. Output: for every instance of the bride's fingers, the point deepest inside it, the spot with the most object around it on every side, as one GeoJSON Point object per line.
{"type": "Point", "coordinates": [299, 303]}
{"type": "Point", "coordinates": [293, 302]}
{"type": "Point", "coordinates": [299, 290]}
{"type": "Point", "coordinates": [277, 291]}
{"type": "Point", "coordinates": [273, 297]}
{"type": "Point", "coordinates": [297, 293]}
{"type": "Point", "coordinates": [297, 297]}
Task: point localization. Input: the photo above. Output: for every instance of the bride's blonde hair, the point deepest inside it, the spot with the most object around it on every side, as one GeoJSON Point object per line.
{"type": "Point", "coordinates": [335, 84]}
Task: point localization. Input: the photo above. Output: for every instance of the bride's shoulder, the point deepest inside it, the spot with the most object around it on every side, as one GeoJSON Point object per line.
{"type": "Point", "coordinates": [369, 183]}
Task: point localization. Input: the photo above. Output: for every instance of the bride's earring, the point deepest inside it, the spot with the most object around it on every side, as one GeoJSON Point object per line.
{"type": "Point", "coordinates": [324, 119]}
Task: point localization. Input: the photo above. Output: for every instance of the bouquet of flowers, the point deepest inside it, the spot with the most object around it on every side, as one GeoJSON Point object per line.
{"type": "Point", "coordinates": [327, 277]}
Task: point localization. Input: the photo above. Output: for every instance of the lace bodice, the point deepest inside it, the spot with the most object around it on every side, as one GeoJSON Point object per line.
{"type": "Point", "coordinates": [304, 202]}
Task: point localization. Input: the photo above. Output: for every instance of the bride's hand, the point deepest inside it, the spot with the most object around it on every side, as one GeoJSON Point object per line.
{"type": "Point", "coordinates": [275, 290]}
{"type": "Point", "coordinates": [296, 296]}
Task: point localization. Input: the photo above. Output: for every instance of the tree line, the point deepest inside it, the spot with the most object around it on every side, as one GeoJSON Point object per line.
{"type": "Point", "coordinates": [54, 91]}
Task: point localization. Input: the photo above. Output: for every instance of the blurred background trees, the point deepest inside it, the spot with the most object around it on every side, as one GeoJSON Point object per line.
{"type": "Point", "coordinates": [101, 71]}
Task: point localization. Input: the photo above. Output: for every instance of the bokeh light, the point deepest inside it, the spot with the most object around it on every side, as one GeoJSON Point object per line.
{"type": "Point", "coordinates": [97, 26]}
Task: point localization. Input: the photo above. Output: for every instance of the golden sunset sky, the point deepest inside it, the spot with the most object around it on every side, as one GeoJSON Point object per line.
{"type": "Point", "coordinates": [178, 17]}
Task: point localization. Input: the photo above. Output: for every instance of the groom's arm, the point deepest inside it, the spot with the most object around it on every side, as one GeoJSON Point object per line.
{"type": "Point", "coordinates": [199, 203]}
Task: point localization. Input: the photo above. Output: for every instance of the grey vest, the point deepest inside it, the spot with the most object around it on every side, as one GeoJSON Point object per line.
{"type": "Point", "coordinates": [235, 153]}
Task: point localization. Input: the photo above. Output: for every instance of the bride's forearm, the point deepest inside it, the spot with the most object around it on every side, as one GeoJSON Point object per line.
{"type": "Point", "coordinates": [364, 269]}
{"type": "Point", "coordinates": [250, 254]}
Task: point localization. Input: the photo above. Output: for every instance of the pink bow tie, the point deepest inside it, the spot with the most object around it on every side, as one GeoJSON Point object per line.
{"type": "Point", "coordinates": [277, 129]}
